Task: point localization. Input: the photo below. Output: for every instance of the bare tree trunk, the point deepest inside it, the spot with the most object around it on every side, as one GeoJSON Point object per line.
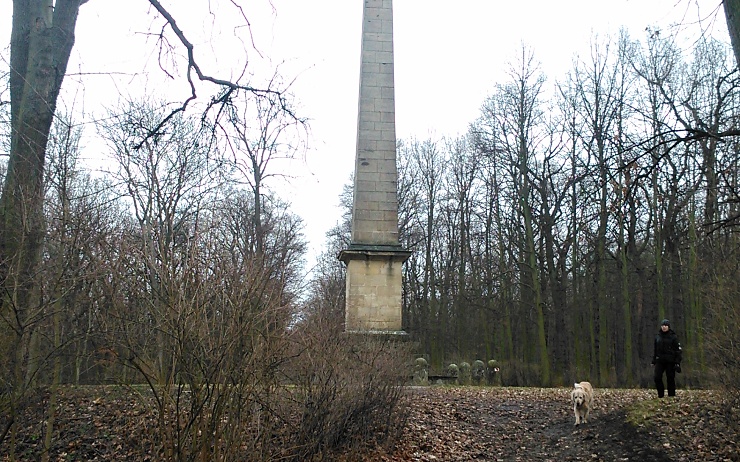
{"type": "Point", "coordinates": [732, 15]}
{"type": "Point", "coordinates": [55, 381]}
{"type": "Point", "coordinates": [40, 45]}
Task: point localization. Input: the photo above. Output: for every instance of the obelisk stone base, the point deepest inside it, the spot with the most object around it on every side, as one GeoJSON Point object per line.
{"type": "Point", "coordinates": [374, 288]}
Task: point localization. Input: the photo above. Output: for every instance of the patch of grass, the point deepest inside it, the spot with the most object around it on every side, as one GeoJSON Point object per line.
{"type": "Point", "coordinates": [698, 421]}
{"type": "Point", "coordinates": [641, 412]}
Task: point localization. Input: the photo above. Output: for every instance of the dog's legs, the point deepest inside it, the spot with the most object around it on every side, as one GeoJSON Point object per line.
{"type": "Point", "coordinates": [577, 414]}
{"type": "Point", "coordinates": [588, 411]}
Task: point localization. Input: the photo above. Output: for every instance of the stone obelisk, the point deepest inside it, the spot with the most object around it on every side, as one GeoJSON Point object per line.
{"type": "Point", "coordinates": [375, 257]}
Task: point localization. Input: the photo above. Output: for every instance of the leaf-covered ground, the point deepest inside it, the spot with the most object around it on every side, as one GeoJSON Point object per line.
{"type": "Point", "coordinates": [534, 424]}
{"type": "Point", "coordinates": [445, 424]}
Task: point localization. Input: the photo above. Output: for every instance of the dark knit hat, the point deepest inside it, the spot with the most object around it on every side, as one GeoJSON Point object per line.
{"type": "Point", "coordinates": [665, 322]}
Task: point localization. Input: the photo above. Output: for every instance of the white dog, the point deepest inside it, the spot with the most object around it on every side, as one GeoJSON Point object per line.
{"type": "Point", "coordinates": [583, 398]}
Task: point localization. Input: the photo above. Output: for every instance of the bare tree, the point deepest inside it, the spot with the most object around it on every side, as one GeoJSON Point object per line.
{"type": "Point", "coordinates": [259, 134]}
{"type": "Point", "coordinates": [515, 115]}
{"type": "Point", "coordinates": [498, 256]}
{"type": "Point", "coordinates": [597, 90]}
{"type": "Point", "coordinates": [202, 308]}
{"type": "Point", "coordinates": [426, 163]}
{"type": "Point", "coordinates": [166, 181]}
{"type": "Point", "coordinates": [42, 38]}
{"type": "Point", "coordinates": [462, 182]}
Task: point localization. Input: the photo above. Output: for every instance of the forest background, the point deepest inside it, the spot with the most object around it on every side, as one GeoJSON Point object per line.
{"type": "Point", "coordinates": [552, 237]}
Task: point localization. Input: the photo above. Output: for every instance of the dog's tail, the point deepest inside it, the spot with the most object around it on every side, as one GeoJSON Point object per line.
{"type": "Point", "coordinates": [577, 385]}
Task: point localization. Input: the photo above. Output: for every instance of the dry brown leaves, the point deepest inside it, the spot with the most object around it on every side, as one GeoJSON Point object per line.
{"type": "Point", "coordinates": [534, 424]}
{"type": "Point", "coordinates": [445, 424]}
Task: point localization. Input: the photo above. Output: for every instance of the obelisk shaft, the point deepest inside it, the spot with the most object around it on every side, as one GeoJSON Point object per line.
{"type": "Point", "coordinates": [374, 258]}
{"type": "Point", "coordinates": [375, 206]}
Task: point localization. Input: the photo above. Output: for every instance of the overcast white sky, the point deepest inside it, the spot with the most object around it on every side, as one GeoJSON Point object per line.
{"type": "Point", "coordinates": [448, 56]}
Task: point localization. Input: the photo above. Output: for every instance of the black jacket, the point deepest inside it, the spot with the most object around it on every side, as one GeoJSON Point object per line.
{"type": "Point", "coordinates": [667, 348]}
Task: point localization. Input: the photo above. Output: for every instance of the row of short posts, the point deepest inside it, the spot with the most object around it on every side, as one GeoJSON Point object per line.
{"type": "Point", "coordinates": [479, 373]}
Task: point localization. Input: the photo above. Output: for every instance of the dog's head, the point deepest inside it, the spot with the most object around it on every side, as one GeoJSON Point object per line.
{"type": "Point", "coordinates": [578, 395]}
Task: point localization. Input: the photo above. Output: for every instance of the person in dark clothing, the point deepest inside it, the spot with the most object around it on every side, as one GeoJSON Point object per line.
{"type": "Point", "coordinates": [667, 355]}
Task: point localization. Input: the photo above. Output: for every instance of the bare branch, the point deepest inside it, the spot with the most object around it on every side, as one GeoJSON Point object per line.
{"type": "Point", "coordinates": [194, 72]}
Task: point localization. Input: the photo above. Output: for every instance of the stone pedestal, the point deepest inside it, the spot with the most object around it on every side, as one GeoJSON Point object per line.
{"type": "Point", "coordinates": [374, 290]}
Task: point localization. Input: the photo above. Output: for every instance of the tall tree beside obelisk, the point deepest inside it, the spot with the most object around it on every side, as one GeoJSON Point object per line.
{"type": "Point", "coordinates": [375, 256]}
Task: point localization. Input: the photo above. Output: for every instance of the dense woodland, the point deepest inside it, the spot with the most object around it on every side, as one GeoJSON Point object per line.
{"type": "Point", "coordinates": [553, 236]}
{"type": "Point", "coordinates": [575, 213]}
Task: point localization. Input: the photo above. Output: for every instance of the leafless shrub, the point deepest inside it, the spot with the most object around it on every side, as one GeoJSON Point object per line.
{"type": "Point", "coordinates": [221, 398]}
{"type": "Point", "coordinates": [349, 390]}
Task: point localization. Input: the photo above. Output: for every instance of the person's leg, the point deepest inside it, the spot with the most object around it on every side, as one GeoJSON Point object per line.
{"type": "Point", "coordinates": [670, 375]}
{"type": "Point", "coordinates": [658, 376]}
